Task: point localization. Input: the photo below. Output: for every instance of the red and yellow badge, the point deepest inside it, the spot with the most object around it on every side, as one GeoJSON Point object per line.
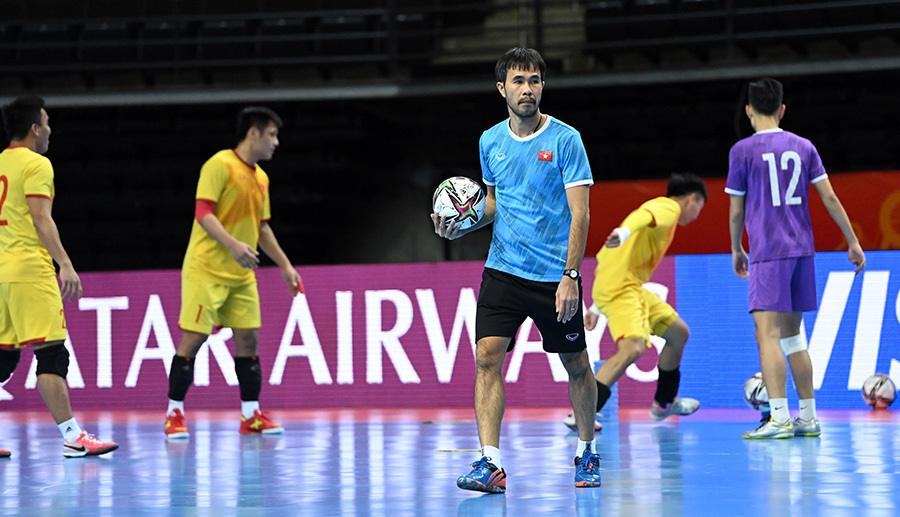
{"type": "Point", "coordinates": [545, 156]}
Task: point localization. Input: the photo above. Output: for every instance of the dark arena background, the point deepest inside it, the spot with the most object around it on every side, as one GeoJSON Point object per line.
{"type": "Point", "coordinates": [371, 371]}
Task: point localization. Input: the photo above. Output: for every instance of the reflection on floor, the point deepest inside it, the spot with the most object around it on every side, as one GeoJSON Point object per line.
{"type": "Point", "coordinates": [393, 462]}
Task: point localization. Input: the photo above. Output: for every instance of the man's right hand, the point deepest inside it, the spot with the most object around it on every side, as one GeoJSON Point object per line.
{"type": "Point", "coordinates": [857, 257]}
{"type": "Point", "coordinates": [244, 255]}
{"type": "Point", "coordinates": [740, 263]}
{"type": "Point", "coordinates": [447, 229]}
{"type": "Point", "coordinates": [70, 283]}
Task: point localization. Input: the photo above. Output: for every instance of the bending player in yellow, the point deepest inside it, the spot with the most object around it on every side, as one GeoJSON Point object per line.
{"type": "Point", "coordinates": [218, 286]}
{"type": "Point", "coordinates": [31, 308]}
{"type": "Point", "coordinates": [631, 254]}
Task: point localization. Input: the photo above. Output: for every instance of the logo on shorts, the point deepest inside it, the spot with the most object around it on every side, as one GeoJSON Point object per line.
{"type": "Point", "coordinates": [572, 337]}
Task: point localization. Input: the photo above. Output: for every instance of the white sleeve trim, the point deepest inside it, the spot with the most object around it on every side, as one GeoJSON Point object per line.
{"type": "Point", "coordinates": [488, 183]}
{"type": "Point", "coordinates": [818, 179]}
{"type": "Point", "coordinates": [624, 233]}
{"type": "Point", "coordinates": [734, 192]}
{"type": "Point", "coordinates": [593, 308]}
{"type": "Point", "coordinates": [579, 183]}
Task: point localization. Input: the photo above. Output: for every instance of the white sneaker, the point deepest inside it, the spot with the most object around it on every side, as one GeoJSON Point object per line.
{"type": "Point", "coordinates": [679, 406]}
{"type": "Point", "coordinates": [807, 427]}
{"type": "Point", "coordinates": [570, 422]}
{"type": "Point", "coordinates": [771, 429]}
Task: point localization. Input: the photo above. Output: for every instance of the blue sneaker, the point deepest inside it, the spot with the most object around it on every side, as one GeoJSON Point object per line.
{"type": "Point", "coordinates": [485, 477]}
{"type": "Point", "coordinates": [587, 470]}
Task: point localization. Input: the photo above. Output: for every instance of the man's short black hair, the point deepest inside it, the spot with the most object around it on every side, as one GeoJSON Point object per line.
{"type": "Point", "coordinates": [255, 116]}
{"type": "Point", "coordinates": [686, 184]}
{"type": "Point", "coordinates": [20, 114]}
{"type": "Point", "coordinates": [519, 58]}
{"type": "Point", "coordinates": [765, 96]}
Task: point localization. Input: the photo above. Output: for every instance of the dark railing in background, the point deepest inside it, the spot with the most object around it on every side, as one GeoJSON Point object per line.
{"type": "Point", "coordinates": [104, 44]}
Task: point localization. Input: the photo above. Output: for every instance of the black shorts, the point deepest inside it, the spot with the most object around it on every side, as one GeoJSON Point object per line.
{"type": "Point", "coordinates": [506, 300]}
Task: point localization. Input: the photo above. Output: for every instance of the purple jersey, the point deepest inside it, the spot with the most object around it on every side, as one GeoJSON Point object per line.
{"type": "Point", "coordinates": [773, 170]}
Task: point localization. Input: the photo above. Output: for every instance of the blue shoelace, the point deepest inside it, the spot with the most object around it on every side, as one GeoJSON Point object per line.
{"type": "Point", "coordinates": [593, 461]}
{"type": "Point", "coordinates": [482, 463]}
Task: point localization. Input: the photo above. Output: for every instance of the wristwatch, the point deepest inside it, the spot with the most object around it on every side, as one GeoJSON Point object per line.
{"type": "Point", "coordinates": [572, 273]}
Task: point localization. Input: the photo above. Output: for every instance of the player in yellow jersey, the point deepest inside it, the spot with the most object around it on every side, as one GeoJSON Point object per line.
{"type": "Point", "coordinates": [631, 254]}
{"type": "Point", "coordinates": [218, 285]}
{"type": "Point", "coordinates": [31, 308]}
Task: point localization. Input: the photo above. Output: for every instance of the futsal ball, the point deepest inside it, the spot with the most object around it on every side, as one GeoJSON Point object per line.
{"type": "Point", "coordinates": [461, 200]}
{"type": "Point", "coordinates": [879, 391]}
{"type": "Point", "coordinates": [755, 392]}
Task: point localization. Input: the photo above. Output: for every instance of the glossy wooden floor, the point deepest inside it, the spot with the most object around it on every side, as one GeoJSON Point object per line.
{"type": "Point", "coordinates": [405, 462]}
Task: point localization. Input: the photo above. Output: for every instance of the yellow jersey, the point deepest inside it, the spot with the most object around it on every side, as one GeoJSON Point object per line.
{"type": "Point", "coordinates": [23, 174]}
{"type": "Point", "coordinates": [241, 194]}
{"type": "Point", "coordinates": [633, 263]}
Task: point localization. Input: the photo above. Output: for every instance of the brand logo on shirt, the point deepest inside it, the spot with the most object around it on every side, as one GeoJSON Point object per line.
{"type": "Point", "coordinates": [500, 156]}
{"type": "Point", "coordinates": [572, 337]}
{"type": "Point", "coordinates": [545, 156]}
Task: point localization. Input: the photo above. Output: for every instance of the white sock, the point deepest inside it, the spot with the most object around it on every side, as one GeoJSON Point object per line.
{"type": "Point", "coordinates": [70, 430]}
{"type": "Point", "coordinates": [780, 412]}
{"type": "Point", "coordinates": [582, 446]}
{"type": "Point", "coordinates": [493, 455]}
{"type": "Point", "coordinates": [173, 405]}
{"type": "Point", "coordinates": [248, 407]}
{"type": "Point", "coordinates": [807, 409]}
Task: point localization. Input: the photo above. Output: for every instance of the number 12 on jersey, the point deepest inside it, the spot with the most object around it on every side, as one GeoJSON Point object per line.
{"type": "Point", "coordinates": [786, 158]}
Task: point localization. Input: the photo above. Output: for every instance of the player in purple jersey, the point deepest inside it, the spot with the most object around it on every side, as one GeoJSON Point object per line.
{"type": "Point", "coordinates": [768, 179]}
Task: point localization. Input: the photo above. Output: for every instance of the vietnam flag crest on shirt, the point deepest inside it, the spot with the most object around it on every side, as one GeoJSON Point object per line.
{"type": "Point", "coordinates": [545, 156]}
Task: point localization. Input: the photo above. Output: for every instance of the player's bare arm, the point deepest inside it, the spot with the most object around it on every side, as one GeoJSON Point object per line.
{"type": "Point", "coordinates": [269, 244]}
{"type": "Point", "coordinates": [242, 253]}
{"type": "Point", "coordinates": [837, 212]}
{"type": "Point", "coordinates": [40, 208]}
{"type": "Point", "coordinates": [739, 258]}
{"type": "Point", "coordinates": [567, 298]}
{"type": "Point", "coordinates": [450, 229]}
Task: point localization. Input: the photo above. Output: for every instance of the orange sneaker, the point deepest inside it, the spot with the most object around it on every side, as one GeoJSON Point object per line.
{"type": "Point", "coordinates": [175, 427]}
{"type": "Point", "coordinates": [87, 445]}
{"type": "Point", "coordinates": [259, 424]}
{"type": "Point", "coordinates": [5, 453]}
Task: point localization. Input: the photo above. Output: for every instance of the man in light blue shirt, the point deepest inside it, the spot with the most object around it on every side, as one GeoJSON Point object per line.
{"type": "Point", "coordinates": [538, 178]}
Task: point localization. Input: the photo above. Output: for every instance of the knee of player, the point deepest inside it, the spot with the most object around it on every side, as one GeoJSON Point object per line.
{"type": "Point", "coordinates": [9, 359]}
{"type": "Point", "coordinates": [489, 359]}
{"type": "Point", "coordinates": [792, 345]}
{"type": "Point", "coordinates": [576, 364]}
{"type": "Point", "coordinates": [53, 359]}
{"type": "Point", "coordinates": [677, 334]}
{"type": "Point", "coordinates": [633, 348]}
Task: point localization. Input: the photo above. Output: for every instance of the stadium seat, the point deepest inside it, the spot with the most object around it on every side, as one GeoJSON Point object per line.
{"type": "Point", "coordinates": [45, 43]}
{"type": "Point", "coordinates": [415, 34]}
{"type": "Point", "coordinates": [286, 37]}
{"type": "Point", "coordinates": [225, 39]}
{"type": "Point", "coordinates": [8, 36]}
{"type": "Point", "coordinates": [346, 36]}
{"type": "Point", "coordinates": [116, 9]}
{"type": "Point", "coordinates": [597, 12]}
{"type": "Point", "coordinates": [107, 42]}
{"type": "Point", "coordinates": [166, 41]}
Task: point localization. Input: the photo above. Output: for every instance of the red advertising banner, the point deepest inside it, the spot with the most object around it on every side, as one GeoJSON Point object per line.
{"type": "Point", "coordinates": [361, 336]}
{"type": "Point", "coordinates": [871, 199]}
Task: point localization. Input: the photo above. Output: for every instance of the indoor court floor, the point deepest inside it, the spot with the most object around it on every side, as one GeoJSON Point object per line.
{"type": "Point", "coordinates": [397, 462]}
